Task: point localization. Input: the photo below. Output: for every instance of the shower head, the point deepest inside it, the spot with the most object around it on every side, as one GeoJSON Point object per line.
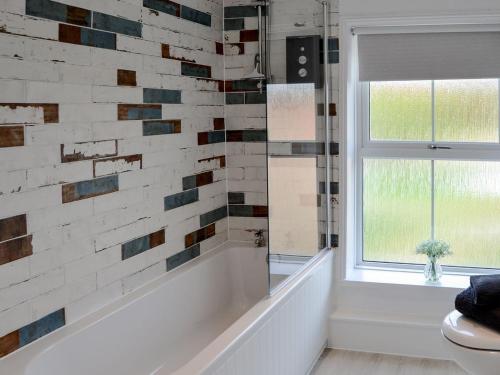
{"type": "Point", "coordinates": [254, 75]}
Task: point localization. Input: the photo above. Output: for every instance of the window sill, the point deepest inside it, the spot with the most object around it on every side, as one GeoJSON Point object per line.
{"type": "Point", "coordinates": [407, 277]}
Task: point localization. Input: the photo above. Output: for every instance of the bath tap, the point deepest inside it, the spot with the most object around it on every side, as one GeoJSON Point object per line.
{"type": "Point", "coordinates": [260, 240]}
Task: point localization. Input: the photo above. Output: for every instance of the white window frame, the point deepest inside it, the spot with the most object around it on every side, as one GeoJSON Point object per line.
{"type": "Point", "coordinates": [420, 150]}
{"type": "Point", "coordinates": [351, 140]}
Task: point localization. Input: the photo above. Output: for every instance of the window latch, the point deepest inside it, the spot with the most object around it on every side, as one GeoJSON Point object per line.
{"type": "Point", "coordinates": [436, 147]}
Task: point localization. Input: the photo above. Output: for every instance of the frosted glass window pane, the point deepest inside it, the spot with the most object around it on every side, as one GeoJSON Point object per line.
{"type": "Point", "coordinates": [401, 111]}
{"type": "Point", "coordinates": [467, 211]}
{"type": "Point", "coordinates": [396, 209]}
{"type": "Point", "coordinates": [291, 112]}
{"type": "Point", "coordinates": [466, 110]}
{"type": "Point", "coordinates": [293, 206]}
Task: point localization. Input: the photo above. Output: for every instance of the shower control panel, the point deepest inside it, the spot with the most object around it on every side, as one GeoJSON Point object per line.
{"type": "Point", "coordinates": [302, 59]}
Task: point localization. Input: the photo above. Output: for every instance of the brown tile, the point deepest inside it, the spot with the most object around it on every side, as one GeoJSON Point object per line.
{"type": "Point", "coordinates": [259, 211]}
{"type": "Point", "coordinates": [219, 123]}
{"type": "Point", "coordinates": [199, 235]}
{"type": "Point", "coordinates": [9, 343]}
{"type": "Point", "coordinates": [234, 136]}
{"type": "Point", "coordinates": [50, 111]}
{"type": "Point", "coordinates": [78, 16]}
{"type": "Point", "coordinates": [157, 238]}
{"type": "Point", "coordinates": [203, 138]}
{"type": "Point", "coordinates": [126, 77]}
{"type": "Point", "coordinates": [165, 51]}
{"type": "Point", "coordinates": [11, 136]}
{"type": "Point", "coordinates": [13, 227]}
{"type": "Point", "coordinates": [204, 178]}
{"type": "Point", "coordinates": [219, 48]}
{"type": "Point", "coordinates": [15, 249]}
{"type": "Point", "coordinates": [249, 35]}
{"type": "Point", "coordinates": [332, 108]}
{"type": "Point", "coordinates": [70, 34]}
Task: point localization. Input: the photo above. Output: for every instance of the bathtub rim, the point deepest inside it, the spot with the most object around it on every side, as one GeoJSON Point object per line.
{"type": "Point", "coordinates": [19, 360]}
{"type": "Point", "coordinates": [233, 337]}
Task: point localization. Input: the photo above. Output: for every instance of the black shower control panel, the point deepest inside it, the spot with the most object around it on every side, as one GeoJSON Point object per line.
{"type": "Point", "coordinates": [302, 59]}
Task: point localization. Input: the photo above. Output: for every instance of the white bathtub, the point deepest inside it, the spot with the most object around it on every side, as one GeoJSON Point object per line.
{"type": "Point", "coordinates": [186, 322]}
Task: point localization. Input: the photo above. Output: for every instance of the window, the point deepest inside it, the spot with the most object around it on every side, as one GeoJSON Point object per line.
{"type": "Point", "coordinates": [429, 167]}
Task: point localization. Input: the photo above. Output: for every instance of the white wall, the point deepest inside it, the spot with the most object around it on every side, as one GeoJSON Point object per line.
{"type": "Point", "coordinates": [388, 315]}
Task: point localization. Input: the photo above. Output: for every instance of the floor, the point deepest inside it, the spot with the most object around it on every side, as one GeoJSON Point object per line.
{"type": "Point", "coordinates": [341, 362]}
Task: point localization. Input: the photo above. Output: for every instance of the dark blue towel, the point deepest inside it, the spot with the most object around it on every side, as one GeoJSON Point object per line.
{"type": "Point", "coordinates": [486, 290]}
{"type": "Point", "coordinates": [488, 316]}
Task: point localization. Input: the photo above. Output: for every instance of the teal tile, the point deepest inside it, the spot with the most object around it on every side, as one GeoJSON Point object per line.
{"type": "Point", "coordinates": [116, 24]}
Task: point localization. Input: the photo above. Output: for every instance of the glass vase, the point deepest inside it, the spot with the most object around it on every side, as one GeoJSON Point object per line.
{"type": "Point", "coordinates": [432, 270]}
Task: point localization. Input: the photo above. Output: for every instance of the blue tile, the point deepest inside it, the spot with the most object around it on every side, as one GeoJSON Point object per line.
{"type": "Point", "coordinates": [183, 257]}
{"type": "Point", "coordinates": [134, 247]}
{"type": "Point", "coordinates": [116, 24]}
{"type": "Point", "coordinates": [41, 327]}
{"type": "Point", "coordinates": [162, 96]}
{"type": "Point", "coordinates": [235, 98]}
{"type": "Point", "coordinates": [58, 12]}
{"type": "Point", "coordinates": [99, 39]}
{"type": "Point", "coordinates": [240, 210]}
{"type": "Point", "coordinates": [333, 57]}
{"type": "Point", "coordinates": [164, 6]}
{"type": "Point", "coordinates": [255, 98]}
{"type": "Point", "coordinates": [216, 137]}
{"type": "Point", "coordinates": [180, 199]}
{"type": "Point", "coordinates": [240, 11]}
{"type": "Point", "coordinates": [89, 188]}
{"type": "Point", "coordinates": [189, 182]}
{"type": "Point", "coordinates": [234, 24]}
{"type": "Point", "coordinates": [196, 70]}
{"type": "Point", "coordinates": [161, 127]}
{"type": "Point", "coordinates": [213, 216]}
{"type": "Point", "coordinates": [236, 197]}
{"type": "Point", "coordinates": [194, 15]}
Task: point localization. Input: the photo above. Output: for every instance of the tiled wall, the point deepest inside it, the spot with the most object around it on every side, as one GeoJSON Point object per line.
{"type": "Point", "coordinates": [246, 111]}
{"type": "Point", "coordinates": [112, 155]}
{"type": "Point", "coordinates": [245, 116]}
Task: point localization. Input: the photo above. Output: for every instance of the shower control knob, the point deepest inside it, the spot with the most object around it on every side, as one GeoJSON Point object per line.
{"type": "Point", "coordinates": [302, 60]}
{"type": "Point", "coordinates": [303, 72]}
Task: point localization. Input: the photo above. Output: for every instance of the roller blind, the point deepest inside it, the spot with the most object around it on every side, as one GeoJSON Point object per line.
{"type": "Point", "coordinates": [434, 55]}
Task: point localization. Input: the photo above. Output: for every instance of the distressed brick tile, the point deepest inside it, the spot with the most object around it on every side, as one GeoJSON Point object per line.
{"type": "Point", "coordinates": [116, 24]}
{"type": "Point", "coordinates": [139, 111]}
{"type": "Point", "coordinates": [164, 6]}
{"type": "Point", "coordinates": [41, 327]}
{"type": "Point", "coordinates": [197, 16]}
{"type": "Point", "coordinates": [50, 111]}
{"type": "Point", "coordinates": [89, 188]}
{"type": "Point", "coordinates": [196, 70]}
{"type": "Point", "coordinates": [219, 123]}
{"type": "Point", "coordinates": [199, 235]}
{"type": "Point", "coordinates": [162, 96]}
{"type": "Point", "coordinates": [13, 227]}
{"type": "Point", "coordinates": [117, 164]}
{"type": "Point", "coordinates": [249, 35]}
{"type": "Point", "coordinates": [142, 244]}
{"type": "Point", "coordinates": [158, 127]}
{"type": "Point", "coordinates": [184, 256]}
{"type": "Point", "coordinates": [15, 249]}
{"type": "Point", "coordinates": [180, 199]}
{"type": "Point", "coordinates": [58, 12]}
{"type": "Point", "coordinates": [126, 77]}
{"type": "Point", "coordinates": [11, 136]}
{"type": "Point", "coordinates": [9, 343]}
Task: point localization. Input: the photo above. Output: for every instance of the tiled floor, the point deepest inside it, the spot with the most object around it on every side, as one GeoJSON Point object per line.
{"type": "Point", "coordinates": [340, 362]}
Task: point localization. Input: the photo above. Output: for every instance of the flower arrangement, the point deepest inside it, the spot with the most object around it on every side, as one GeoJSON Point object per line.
{"type": "Point", "coordinates": [434, 249]}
